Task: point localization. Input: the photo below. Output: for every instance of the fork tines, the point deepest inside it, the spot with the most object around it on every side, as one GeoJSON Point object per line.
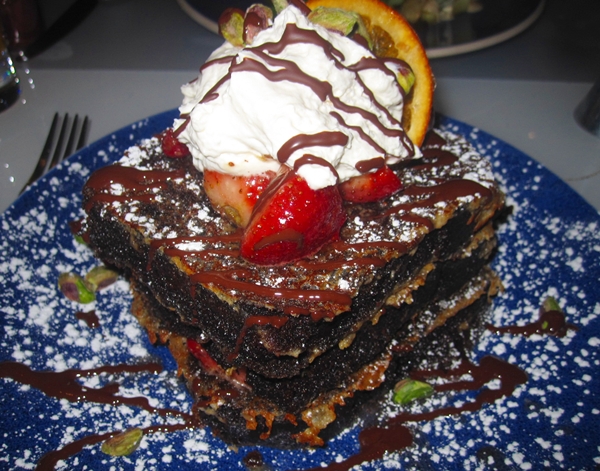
{"type": "Point", "coordinates": [60, 152]}
{"type": "Point", "coordinates": [75, 140]}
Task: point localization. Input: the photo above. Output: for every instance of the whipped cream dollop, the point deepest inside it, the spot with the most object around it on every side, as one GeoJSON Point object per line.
{"type": "Point", "coordinates": [300, 96]}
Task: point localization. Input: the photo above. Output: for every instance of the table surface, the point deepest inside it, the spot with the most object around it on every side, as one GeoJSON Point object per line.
{"type": "Point", "coordinates": [127, 60]}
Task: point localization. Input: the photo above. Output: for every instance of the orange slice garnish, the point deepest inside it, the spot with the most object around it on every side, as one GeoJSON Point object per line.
{"type": "Point", "coordinates": [393, 36]}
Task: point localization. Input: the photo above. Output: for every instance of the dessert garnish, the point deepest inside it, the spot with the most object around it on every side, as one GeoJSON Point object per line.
{"type": "Point", "coordinates": [101, 277]}
{"type": "Point", "coordinates": [83, 289]}
{"type": "Point", "coordinates": [124, 443]}
{"type": "Point", "coordinates": [409, 389]}
{"type": "Point", "coordinates": [393, 37]}
{"type": "Point", "coordinates": [171, 146]}
{"type": "Point", "coordinates": [75, 288]}
{"type": "Point", "coordinates": [300, 113]}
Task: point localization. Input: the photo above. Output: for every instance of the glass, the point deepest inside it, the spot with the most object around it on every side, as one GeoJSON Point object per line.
{"type": "Point", "coordinates": [22, 24]}
{"type": "Point", "coordinates": [9, 83]}
{"type": "Point", "coordinates": [587, 113]}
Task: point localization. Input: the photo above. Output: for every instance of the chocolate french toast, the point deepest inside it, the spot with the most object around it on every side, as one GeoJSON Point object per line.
{"type": "Point", "coordinates": [286, 335]}
{"type": "Point", "coordinates": [296, 243]}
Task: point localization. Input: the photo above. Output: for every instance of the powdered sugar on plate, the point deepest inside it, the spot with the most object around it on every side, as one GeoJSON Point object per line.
{"type": "Point", "coordinates": [549, 246]}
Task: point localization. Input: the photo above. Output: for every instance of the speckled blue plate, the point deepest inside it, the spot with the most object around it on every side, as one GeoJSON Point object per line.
{"type": "Point", "coordinates": [550, 246]}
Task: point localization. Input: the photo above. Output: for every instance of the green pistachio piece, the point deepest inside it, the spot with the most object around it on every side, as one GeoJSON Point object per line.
{"type": "Point", "coordinates": [101, 277]}
{"type": "Point", "coordinates": [231, 26]}
{"type": "Point", "coordinates": [79, 239]}
{"type": "Point", "coordinates": [279, 5]}
{"type": "Point", "coordinates": [406, 78]}
{"type": "Point", "coordinates": [343, 21]}
{"type": "Point", "coordinates": [361, 30]}
{"type": "Point", "coordinates": [124, 443]}
{"type": "Point", "coordinates": [75, 288]}
{"type": "Point", "coordinates": [409, 390]}
{"type": "Point", "coordinates": [334, 19]}
{"type": "Point", "coordinates": [545, 325]}
{"type": "Point", "coordinates": [550, 304]}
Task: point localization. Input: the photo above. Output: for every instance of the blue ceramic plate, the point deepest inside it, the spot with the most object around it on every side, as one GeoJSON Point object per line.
{"type": "Point", "coordinates": [549, 246]}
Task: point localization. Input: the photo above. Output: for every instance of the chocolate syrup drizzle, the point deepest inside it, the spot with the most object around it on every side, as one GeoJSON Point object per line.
{"type": "Point", "coordinates": [394, 435]}
{"type": "Point", "coordinates": [142, 183]}
{"type": "Point", "coordinates": [65, 385]}
{"type": "Point", "coordinates": [429, 196]}
{"type": "Point", "coordinates": [169, 246]}
{"type": "Point", "coordinates": [275, 70]}
{"type": "Point", "coordinates": [550, 322]}
{"type": "Point", "coordinates": [301, 141]}
{"type": "Point", "coordinates": [224, 278]}
{"type": "Point", "coordinates": [90, 318]}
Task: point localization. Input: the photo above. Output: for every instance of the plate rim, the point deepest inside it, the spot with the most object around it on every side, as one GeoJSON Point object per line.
{"type": "Point", "coordinates": [432, 52]}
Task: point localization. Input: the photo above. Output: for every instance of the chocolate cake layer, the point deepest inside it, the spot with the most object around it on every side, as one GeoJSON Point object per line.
{"type": "Point", "coordinates": [149, 216]}
{"type": "Point", "coordinates": [251, 410]}
{"type": "Point", "coordinates": [334, 365]}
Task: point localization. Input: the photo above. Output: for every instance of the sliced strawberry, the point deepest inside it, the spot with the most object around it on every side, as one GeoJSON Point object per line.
{"type": "Point", "coordinates": [235, 197]}
{"type": "Point", "coordinates": [208, 363]}
{"type": "Point", "coordinates": [236, 376]}
{"type": "Point", "coordinates": [171, 146]}
{"type": "Point", "coordinates": [292, 221]}
{"type": "Point", "coordinates": [371, 187]}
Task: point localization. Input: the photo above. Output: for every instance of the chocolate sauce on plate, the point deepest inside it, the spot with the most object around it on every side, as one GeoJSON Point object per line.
{"type": "Point", "coordinates": [65, 385]}
{"type": "Point", "coordinates": [90, 318]}
{"type": "Point", "coordinates": [394, 435]}
{"type": "Point", "coordinates": [550, 322]}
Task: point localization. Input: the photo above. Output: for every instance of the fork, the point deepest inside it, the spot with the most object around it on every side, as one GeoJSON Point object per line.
{"type": "Point", "coordinates": [75, 141]}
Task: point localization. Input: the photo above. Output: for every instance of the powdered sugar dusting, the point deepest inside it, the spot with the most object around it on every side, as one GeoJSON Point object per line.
{"type": "Point", "coordinates": [548, 247]}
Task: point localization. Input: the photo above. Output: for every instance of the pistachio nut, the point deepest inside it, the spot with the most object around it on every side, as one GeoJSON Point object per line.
{"type": "Point", "coordinates": [123, 443]}
{"type": "Point", "coordinates": [279, 5]}
{"type": "Point", "coordinates": [550, 304]}
{"type": "Point", "coordinates": [409, 390]}
{"type": "Point", "coordinates": [101, 277]}
{"type": "Point", "coordinates": [76, 288]}
{"type": "Point", "coordinates": [405, 77]}
{"type": "Point", "coordinates": [343, 21]}
{"type": "Point", "coordinates": [231, 26]}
